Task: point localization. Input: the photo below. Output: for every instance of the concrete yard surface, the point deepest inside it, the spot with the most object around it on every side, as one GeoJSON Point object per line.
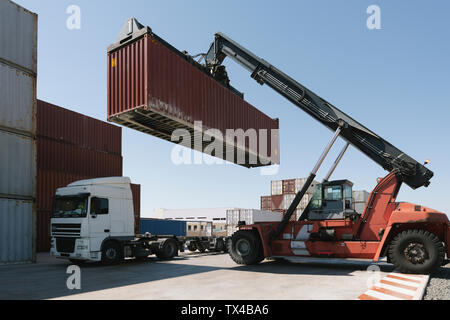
{"type": "Point", "coordinates": [190, 276]}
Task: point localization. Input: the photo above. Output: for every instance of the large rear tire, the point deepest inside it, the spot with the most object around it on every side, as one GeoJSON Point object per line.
{"type": "Point", "coordinates": [169, 249]}
{"type": "Point", "coordinates": [245, 247]}
{"type": "Point", "coordinates": [416, 251]}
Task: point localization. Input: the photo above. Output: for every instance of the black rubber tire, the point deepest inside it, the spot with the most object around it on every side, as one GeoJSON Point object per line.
{"type": "Point", "coordinates": [192, 247]}
{"type": "Point", "coordinates": [111, 253]}
{"type": "Point", "coordinates": [220, 245]}
{"type": "Point", "coordinates": [168, 250]}
{"type": "Point", "coordinates": [201, 247]}
{"type": "Point", "coordinates": [429, 244]}
{"type": "Point", "coordinates": [253, 252]}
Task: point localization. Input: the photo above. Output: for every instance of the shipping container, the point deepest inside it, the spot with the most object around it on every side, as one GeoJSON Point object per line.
{"type": "Point", "coordinates": [17, 166]}
{"type": "Point", "coordinates": [17, 100]}
{"type": "Point", "coordinates": [203, 214]}
{"type": "Point", "coordinates": [62, 157]}
{"type": "Point", "coordinates": [360, 196]}
{"type": "Point", "coordinates": [17, 234]}
{"type": "Point", "coordinates": [62, 125]}
{"type": "Point", "coordinates": [266, 203]}
{"type": "Point", "coordinates": [156, 89]}
{"type": "Point", "coordinates": [163, 227]}
{"type": "Point", "coordinates": [276, 187]}
{"type": "Point", "coordinates": [18, 37]}
{"type": "Point", "coordinates": [199, 228]}
{"type": "Point", "coordinates": [251, 216]}
{"type": "Point", "coordinates": [277, 202]}
{"type": "Point", "coordinates": [136, 194]}
{"type": "Point", "coordinates": [288, 186]}
{"type": "Point", "coordinates": [43, 230]}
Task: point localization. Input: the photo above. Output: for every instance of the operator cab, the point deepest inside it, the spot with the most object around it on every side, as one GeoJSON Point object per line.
{"type": "Point", "coordinates": [332, 200]}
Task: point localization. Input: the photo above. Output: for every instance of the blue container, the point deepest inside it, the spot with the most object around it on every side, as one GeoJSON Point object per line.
{"type": "Point", "coordinates": [163, 227]}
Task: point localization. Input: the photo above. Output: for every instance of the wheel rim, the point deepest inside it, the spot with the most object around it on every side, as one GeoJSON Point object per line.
{"type": "Point", "coordinates": [111, 253]}
{"type": "Point", "coordinates": [243, 247]}
{"type": "Point", "coordinates": [415, 253]}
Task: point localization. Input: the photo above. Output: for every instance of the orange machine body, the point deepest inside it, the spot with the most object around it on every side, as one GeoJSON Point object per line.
{"type": "Point", "coordinates": [366, 238]}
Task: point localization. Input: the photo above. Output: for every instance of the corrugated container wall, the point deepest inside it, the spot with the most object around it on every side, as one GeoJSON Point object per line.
{"type": "Point", "coordinates": [156, 89]}
{"type": "Point", "coordinates": [18, 52]}
{"type": "Point", "coordinates": [71, 147]}
{"type": "Point", "coordinates": [163, 227]}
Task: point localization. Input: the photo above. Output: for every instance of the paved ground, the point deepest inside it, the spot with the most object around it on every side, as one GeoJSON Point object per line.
{"type": "Point", "coordinates": [190, 276]}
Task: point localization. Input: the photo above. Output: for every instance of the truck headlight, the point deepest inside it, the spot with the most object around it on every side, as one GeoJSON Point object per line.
{"type": "Point", "coordinates": [82, 244]}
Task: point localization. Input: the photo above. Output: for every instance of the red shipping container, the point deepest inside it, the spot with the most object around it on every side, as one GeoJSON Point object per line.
{"type": "Point", "coordinates": [154, 88]}
{"type": "Point", "coordinates": [70, 127]}
{"type": "Point", "coordinates": [289, 186]}
{"type": "Point", "coordinates": [136, 192]}
{"type": "Point", "coordinates": [277, 202]}
{"type": "Point", "coordinates": [266, 203]}
{"type": "Point", "coordinates": [43, 230]}
{"type": "Point", "coordinates": [59, 156]}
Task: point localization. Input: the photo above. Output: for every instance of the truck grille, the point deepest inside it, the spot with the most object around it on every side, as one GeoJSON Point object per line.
{"type": "Point", "coordinates": [66, 229]}
{"type": "Point", "coordinates": [66, 245]}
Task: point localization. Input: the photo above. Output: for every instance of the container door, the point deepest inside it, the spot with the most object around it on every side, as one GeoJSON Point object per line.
{"type": "Point", "coordinates": [99, 222]}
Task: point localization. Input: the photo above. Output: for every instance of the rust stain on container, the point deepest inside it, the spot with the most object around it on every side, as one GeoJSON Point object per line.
{"type": "Point", "coordinates": [154, 88]}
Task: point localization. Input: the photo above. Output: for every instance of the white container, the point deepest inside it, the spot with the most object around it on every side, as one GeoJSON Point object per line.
{"type": "Point", "coordinates": [251, 216]}
{"type": "Point", "coordinates": [16, 231]}
{"type": "Point", "coordinates": [17, 166]}
{"type": "Point", "coordinates": [360, 196]}
{"type": "Point", "coordinates": [359, 207]}
{"type": "Point", "coordinates": [18, 36]}
{"type": "Point", "coordinates": [276, 187]}
{"type": "Point", "coordinates": [17, 100]}
{"type": "Point", "coordinates": [203, 214]}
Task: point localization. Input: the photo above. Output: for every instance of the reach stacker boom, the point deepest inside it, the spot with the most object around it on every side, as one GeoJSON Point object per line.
{"type": "Point", "coordinates": [412, 237]}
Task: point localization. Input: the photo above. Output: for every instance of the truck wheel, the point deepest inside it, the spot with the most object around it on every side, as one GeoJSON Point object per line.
{"type": "Point", "coordinates": [220, 245]}
{"type": "Point", "coordinates": [111, 253]}
{"type": "Point", "coordinates": [201, 247]}
{"type": "Point", "coordinates": [416, 251]}
{"type": "Point", "coordinates": [192, 247]}
{"type": "Point", "coordinates": [168, 250]}
{"type": "Point", "coordinates": [245, 247]}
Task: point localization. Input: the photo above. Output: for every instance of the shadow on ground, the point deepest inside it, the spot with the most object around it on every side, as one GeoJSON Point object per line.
{"type": "Point", "coordinates": [47, 279]}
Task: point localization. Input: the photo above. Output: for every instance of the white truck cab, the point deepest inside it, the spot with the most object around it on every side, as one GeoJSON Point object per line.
{"type": "Point", "coordinates": [88, 213]}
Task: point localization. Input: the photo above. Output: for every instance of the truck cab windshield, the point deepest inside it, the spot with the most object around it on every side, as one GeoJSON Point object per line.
{"type": "Point", "coordinates": [69, 207]}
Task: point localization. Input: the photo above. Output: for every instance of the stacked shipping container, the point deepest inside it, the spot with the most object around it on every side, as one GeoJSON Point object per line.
{"type": "Point", "coordinates": [18, 68]}
{"type": "Point", "coordinates": [283, 193]}
{"type": "Point", "coordinates": [249, 216]}
{"type": "Point", "coordinates": [71, 147]}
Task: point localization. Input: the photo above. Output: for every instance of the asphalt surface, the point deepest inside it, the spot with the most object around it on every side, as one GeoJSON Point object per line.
{"type": "Point", "coordinates": [439, 285]}
{"type": "Point", "coordinates": [189, 276]}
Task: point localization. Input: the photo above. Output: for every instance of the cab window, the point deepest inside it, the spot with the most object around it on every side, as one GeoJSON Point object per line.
{"type": "Point", "coordinates": [333, 193]}
{"type": "Point", "coordinates": [99, 205]}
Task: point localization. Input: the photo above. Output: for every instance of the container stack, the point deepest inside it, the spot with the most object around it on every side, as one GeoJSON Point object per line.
{"type": "Point", "coordinates": [71, 147]}
{"type": "Point", "coordinates": [283, 193]}
{"type": "Point", "coordinates": [18, 70]}
{"type": "Point", "coordinates": [249, 216]}
{"type": "Point", "coordinates": [360, 198]}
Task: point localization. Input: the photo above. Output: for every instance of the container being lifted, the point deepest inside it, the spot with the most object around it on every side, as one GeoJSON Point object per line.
{"type": "Point", "coordinates": [156, 89]}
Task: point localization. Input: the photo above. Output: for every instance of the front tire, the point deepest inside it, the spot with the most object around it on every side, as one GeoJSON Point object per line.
{"type": "Point", "coordinates": [245, 247]}
{"type": "Point", "coordinates": [416, 251]}
{"type": "Point", "coordinates": [111, 253]}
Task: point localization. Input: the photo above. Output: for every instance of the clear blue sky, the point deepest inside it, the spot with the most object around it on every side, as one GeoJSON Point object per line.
{"type": "Point", "coordinates": [396, 81]}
